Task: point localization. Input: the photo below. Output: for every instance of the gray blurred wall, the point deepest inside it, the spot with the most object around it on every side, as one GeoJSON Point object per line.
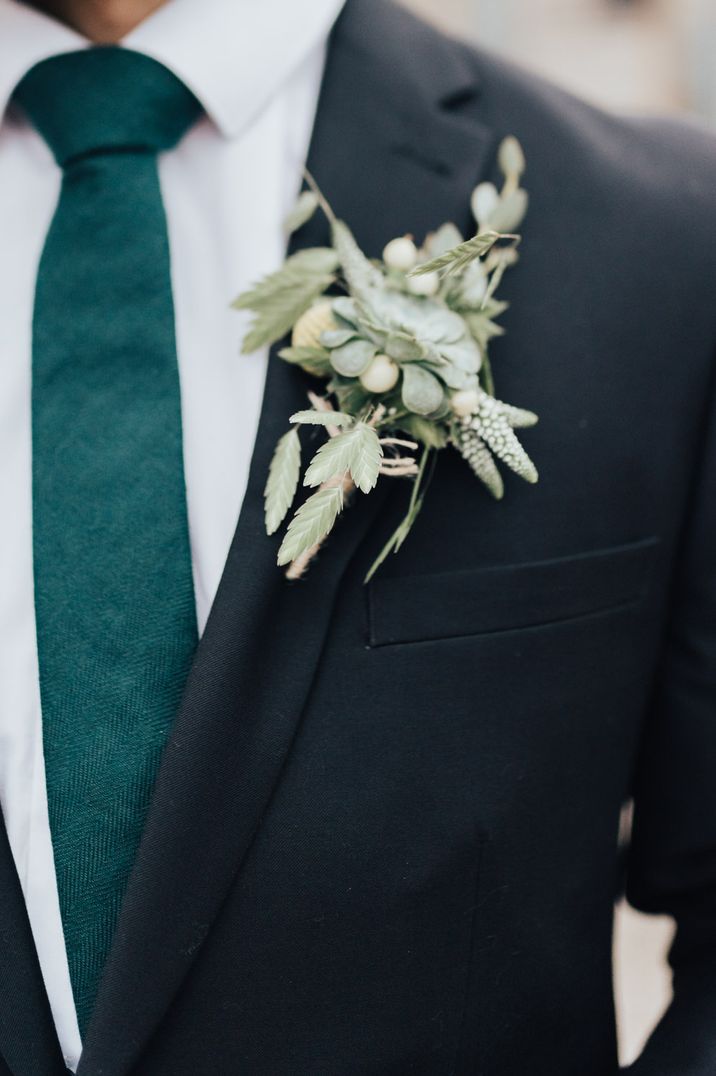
{"type": "Point", "coordinates": [630, 55]}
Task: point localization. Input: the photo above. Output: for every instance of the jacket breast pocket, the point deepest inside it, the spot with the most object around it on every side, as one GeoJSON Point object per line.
{"type": "Point", "coordinates": [507, 597]}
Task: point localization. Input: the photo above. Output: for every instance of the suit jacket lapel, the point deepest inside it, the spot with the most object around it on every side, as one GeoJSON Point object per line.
{"type": "Point", "coordinates": [385, 174]}
{"type": "Point", "coordinates": [28, 1043]}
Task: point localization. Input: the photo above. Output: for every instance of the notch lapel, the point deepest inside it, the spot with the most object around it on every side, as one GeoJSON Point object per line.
{"type": "Point", "coordinates": [28, 1042]}
{"type": "Point", "coordinates": [386, 172]}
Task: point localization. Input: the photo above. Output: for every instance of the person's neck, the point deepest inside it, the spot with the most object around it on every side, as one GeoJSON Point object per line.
{"type": "Point", "coordinates": [103, 21]}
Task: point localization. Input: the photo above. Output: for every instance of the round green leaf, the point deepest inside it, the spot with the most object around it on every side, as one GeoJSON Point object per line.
{"type": "Point", "coordinates": [422, 392]}
{"type": "Point", "coordinates": [353, 358]}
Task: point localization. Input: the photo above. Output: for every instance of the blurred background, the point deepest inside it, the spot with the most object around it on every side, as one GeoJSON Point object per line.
{"type": "Point", "coordinates": [629, 55]}
{"type": "Point", "coordinates": [638, 56]}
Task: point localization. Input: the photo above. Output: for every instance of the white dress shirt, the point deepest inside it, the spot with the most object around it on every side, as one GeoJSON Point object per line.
{"type": "Point", "coordinates": [256, 66]}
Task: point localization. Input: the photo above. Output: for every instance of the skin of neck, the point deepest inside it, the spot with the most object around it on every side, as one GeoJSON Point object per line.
{"type": "Point", "coordinates": [105, 22]}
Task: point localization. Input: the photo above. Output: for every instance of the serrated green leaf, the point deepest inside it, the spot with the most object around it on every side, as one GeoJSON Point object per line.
{"type": "Point", "coordinates": [278, 317]}
{"type": "Point", "coordinates": [356, 452]}
{"type": "Point", "coordinates": [280, 298]}
{"type": "Point", "coordinates": [353, 358]}
{"type": "Point", "coordinates": [365, 465]}
{"type": "Point", "coordinates": [359, 272]}
{"type": "Point", "coordinates": [312, 522]}
{"type": "Point", "coordinates": [421, 392]}
{"type": "Point", "coordinates": [456, 259]}
{"type": "Point", "coordinates": [322, 418]}
{"type": "Point", "coordinates": [282, 482]}
{"type": "Point", "coordinates": [314, 261]}
{"type": "Point", "coordinates": [306, 205]}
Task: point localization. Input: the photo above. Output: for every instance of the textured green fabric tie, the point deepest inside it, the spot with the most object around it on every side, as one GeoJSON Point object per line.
{"type": "Point", "coordinates": [116, 622]}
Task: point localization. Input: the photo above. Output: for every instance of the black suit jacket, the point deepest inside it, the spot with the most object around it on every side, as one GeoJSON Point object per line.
{"type": "Point", "coordinates": [383, 839]}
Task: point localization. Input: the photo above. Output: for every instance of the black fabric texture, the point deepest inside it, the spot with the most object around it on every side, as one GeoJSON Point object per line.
{"type": "Point", "coordinates": [383, 839]}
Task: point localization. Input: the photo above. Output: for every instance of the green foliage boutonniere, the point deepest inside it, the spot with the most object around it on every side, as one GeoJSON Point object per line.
{"type": "Point", "coordinates": [402, 345]}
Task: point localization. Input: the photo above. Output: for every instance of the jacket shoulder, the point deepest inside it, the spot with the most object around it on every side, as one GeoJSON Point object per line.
{"type": "Point", "coordinates": [661, 156]}
{"type": "Point", "coordinates": [639, 174]}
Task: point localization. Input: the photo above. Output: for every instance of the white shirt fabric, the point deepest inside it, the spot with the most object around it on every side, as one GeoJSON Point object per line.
{"type": "Point", "coordinates": [256, 67]}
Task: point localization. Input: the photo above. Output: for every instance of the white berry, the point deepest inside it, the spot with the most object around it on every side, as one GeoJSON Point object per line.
{"type": "Point", "coordinates": [381, 376]}
{"type": "Point", "coordinates": [401, 254]}
{"type": "Point", "coordinates": [484, 202]}
{"type": "Point", "coordinates": [465, 402]}
{"type": "Point", "coordinates": [428, 284]}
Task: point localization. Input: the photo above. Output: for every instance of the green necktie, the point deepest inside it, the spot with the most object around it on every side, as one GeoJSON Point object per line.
{"type": "Point", "coordinates": [114, 600]}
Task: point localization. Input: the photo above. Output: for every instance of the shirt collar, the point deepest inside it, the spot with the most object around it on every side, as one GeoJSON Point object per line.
{"type": "Point", "coordinates": [233, 54]}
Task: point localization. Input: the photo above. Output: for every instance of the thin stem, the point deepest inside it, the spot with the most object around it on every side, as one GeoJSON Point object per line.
{"type": "Point", "coordinates": [412, 445]}
{"type": "Point", "coordinates": [322, 201]}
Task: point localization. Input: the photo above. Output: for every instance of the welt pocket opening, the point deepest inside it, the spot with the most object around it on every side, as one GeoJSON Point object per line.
{"type": "Point", "coordinates": [482, 601]}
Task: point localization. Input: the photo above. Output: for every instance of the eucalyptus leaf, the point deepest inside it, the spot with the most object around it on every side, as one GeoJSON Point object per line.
{"type": "Point", "coordinates": [306, 205]}
{"type": "Point", "coordinates": [402, 347]}
{"type": "Point", "coordinates": [282, 480]}
{"type": "Point", "coordinates": [453, 376]}
{"type": "Point", "coordinates": [322, 418]}
{"type": "Point", "coordinates": [312, 522]}
{"type": "Point", "coordinates": [422, 393]}
{"type": "Point", "coordinates": [315, 360]}
{"type": "Point", "coordinates": [337, 337]}
{"type": "Point", "coordinates": [357, 452]}
{"type": "Point", "coordinates": [353, 358]}
{"type": "Point", "coordinates": [345, 308]}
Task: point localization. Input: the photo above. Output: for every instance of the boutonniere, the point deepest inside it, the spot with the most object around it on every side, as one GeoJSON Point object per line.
{"type": "Point", "coordinates": [401, 347]}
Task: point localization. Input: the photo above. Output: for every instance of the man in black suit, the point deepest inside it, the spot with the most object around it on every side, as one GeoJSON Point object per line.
{"type": "Point", "coordinates": [383, 835]}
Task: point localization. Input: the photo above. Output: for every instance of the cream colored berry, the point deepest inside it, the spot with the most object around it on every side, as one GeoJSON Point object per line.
{"type": "Point", "coordinates": [427, 285]}
{"type": "Point", "coordinates": [317, 319]}
{"type": "Point", "coordinates": [381, 376]}
{"type": "Point", "coordinates": [465, 402]}
{"type": "Point", "coordinates": [485, 200]}
{"type": "Point", "coordinates": [401, 254]}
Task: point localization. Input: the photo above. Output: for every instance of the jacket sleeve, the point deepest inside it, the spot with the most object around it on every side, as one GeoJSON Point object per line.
{"type": "Point", "coordinates": [672, 863]}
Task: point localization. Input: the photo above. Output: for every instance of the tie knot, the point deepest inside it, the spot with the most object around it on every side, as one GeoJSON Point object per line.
{"type": "Point", "coordinates": [103, 100]}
